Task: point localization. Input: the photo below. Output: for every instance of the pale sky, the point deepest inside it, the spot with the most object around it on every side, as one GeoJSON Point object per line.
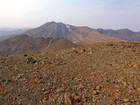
{"type": "Point", "coordinates": [106, 14]}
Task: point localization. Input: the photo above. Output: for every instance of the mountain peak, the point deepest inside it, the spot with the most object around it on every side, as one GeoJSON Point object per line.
{"type": "Point", "coordinates": [53, 23]}
{"type": "Point", "coordinates": [51, 29]}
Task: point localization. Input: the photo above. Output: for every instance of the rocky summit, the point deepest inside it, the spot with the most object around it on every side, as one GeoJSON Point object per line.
{"type": "Point", "coordinates": [98, 74]}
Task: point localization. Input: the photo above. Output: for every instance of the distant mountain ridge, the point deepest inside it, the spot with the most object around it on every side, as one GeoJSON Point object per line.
{"type": "Point", "coordinates": [6, 33]}
{"type": "Point", "coordinates": [83, 35]}
{"type": "Point", "coordinates": [124, 34]}
{"type": "Point", "coordinates": [12, 31]}
{"type": "Point", "coordinates": [72, 33]}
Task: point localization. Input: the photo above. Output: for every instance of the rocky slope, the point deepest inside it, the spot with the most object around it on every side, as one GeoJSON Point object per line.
{"type": "Point", "coordinates": [100, 74]}
{"type": "Point", "coordinates": [26, 44]}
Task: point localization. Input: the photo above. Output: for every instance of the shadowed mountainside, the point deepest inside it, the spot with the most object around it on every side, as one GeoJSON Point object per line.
{"type": "Point", "coordinates": [27, 44]}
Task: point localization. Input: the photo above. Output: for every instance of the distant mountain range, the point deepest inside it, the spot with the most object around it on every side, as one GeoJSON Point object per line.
{"type": "Point", "coordinates": [124, 34]}
{"type": "Point", "coordinates": [58, 29]}
{"type": "Point", "coordinates": [77, 35]}
{"type": "Point", "coordinates": [12, 31]}
{"type": "Point", "coordinates": [53, 35]}
{"type": "Point", "coordinates": [6, 33]}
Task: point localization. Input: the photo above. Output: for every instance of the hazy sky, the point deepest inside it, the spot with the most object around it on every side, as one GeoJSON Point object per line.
{"type": "Point", "coordinates": [94, 13]}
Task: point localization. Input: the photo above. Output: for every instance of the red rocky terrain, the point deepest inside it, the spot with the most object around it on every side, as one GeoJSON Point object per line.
{"type": "Point", "coordinates": [99, 74]}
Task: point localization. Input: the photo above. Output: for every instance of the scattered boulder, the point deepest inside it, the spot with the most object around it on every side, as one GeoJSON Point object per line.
{"type": "Point", "coordinates": [31, 60]}
{"type": "Point", "coordinates": [95, 92]}
{"type": "Point", "coordinates": [98, 87]}
{"type": "Point", "coordinates": [135, 66]}
{"type": "Point", "coordinates": [25, 55]}
{"type": "Point", "coordinates": [77, 98]}
{"type": "Point", "coordinates": [67, 100]}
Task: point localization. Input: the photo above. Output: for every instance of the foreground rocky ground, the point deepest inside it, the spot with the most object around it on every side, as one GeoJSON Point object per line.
{"type": "Point", "coordinates": [102, 74]}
